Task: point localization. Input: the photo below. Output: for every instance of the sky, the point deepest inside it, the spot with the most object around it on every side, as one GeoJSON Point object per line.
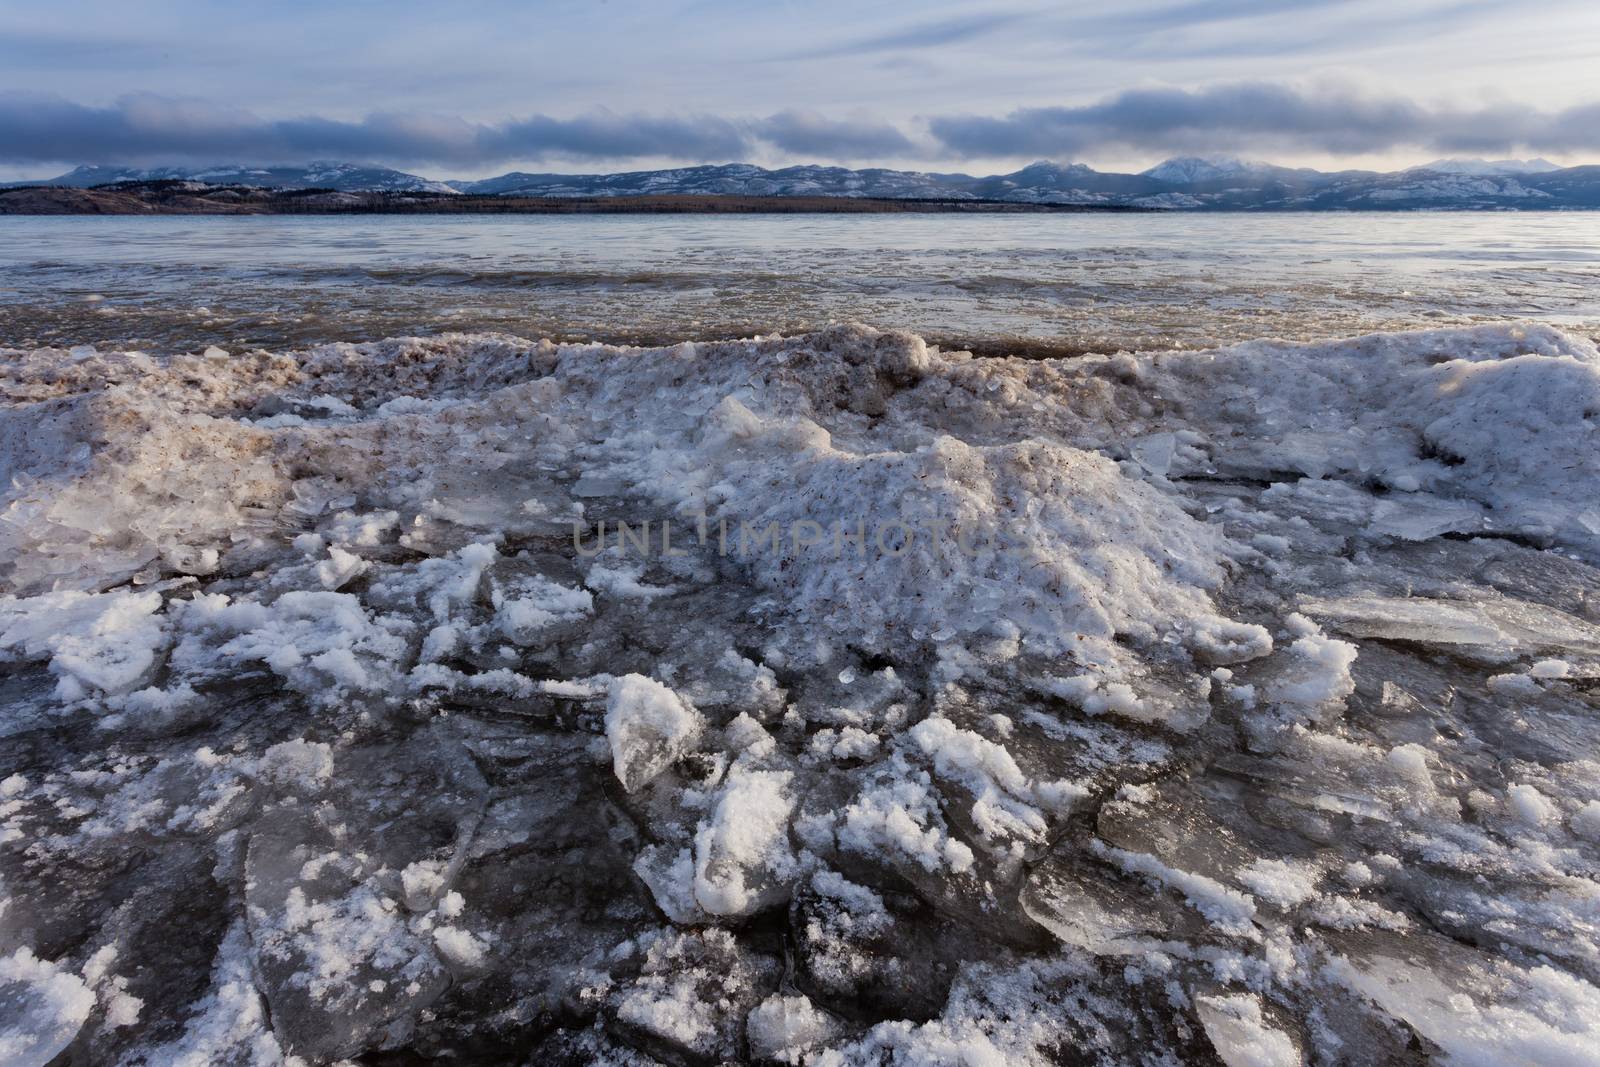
{"type": "Point", "coordinates": [471, 89]}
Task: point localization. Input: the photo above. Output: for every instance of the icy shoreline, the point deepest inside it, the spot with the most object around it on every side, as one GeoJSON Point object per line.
{"type": "Point", "coordinates": [1259, 723]}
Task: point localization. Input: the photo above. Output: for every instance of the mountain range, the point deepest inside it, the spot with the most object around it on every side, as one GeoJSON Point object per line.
{"type": "Point", "coordinates": [1186, 183]}
{"type": "Point", "coordinates": [346, 177]}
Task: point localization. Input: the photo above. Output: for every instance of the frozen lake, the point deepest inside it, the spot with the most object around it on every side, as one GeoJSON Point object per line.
{"type": "Point", "coordinates": [1068, 281]}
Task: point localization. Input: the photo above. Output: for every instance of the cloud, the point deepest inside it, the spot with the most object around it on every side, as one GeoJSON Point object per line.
{"type": "Point", "coordinates": [1266, 115]}
{"type": "Point", "coordinates": [802, 133]}
{"type": "Point", "coordinates": [144, 128]}
{"type": "Point", "coordinates": [922, 35]}
{"type": "Point", "coordinates": [1258, 116]}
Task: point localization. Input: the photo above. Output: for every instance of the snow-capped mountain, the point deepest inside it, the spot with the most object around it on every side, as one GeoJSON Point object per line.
{"type": "Point", "coordinates": [1489, 167]}
{"type": "Point", "coordinates": [1191, 184]}
{"type": "Point", "coordinates": [1184, 184]}
{"type": "Point", "coordinates": [1187, 170]}
{"type": "Point", "coordinates": [345, 177]}
{"type": "Point", "coordinates": [737, 179]}
{"type": "Point", "coordinates": [1045, 182]}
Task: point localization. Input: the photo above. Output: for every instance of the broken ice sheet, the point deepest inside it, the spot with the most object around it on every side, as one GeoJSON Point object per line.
{"type": "Point", "coordinates": [1476, 1009]}
{"type": "Point", "coordinates": [1496, 624]}
{"type": "Point", "coordinates": [1422, 516]}
{"type": "Point", "coordinates": [324, 729]}
{"type": "Point", "coordinates": [336, 954]}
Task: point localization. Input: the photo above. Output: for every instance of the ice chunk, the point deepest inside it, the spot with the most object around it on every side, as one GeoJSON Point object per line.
{"type": "Point", "coordinates": [229, 1023]}
{"type": "Point", "coordinates": [743, 861]}
{"type": "Point", "coordinates": [670, 875]}
{"type": "Point", "coordinates": [339, 568]}
{"type": "Point", "coordinates": [649, 727]}
{"type": "Point", "coordinates": [1241, 1035]}
{"type": "Point", "coordinates": [42, 1007]}
{"type": "Point", "coordinates": [1422, 516]}
{"type": "Point", "coordinates": [1154, 453]}
{"type": "Point", "coordinates": [899, 817]}
{"type": "Point", "coordinates": [1007, 806]}
{"type": "Point", "coordinates": [529, 607]}
{"type": "Point", "coordinates": [1091, 911]}
{"type": "Point", "coordinates": [1480, 1013]}
{"type": "Point", "coordinates": [337, 955]}
{"type": "Point", "coordinates": [300, 765]}
{"type": "Point", "coordinates": [1226, 908]}
{"type": "Point", "coordinates": [784, 1028]}
{"type": "Point", "coordinates": [95, 642]}
{"type": "Point", "coordinates": [1282, 882]}
{"type": "Point", "coordinates": [1217, 640]}
{"type": "Point", "coordinates": [1498, 623]}
{"type": "Point", "coordinates": [694, 992]}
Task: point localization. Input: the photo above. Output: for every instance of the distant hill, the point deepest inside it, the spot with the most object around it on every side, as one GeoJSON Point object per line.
{"type": "Point", "coordinates": [343, 177]}
{"type": "Point", "coordinates": [1482, 167]}
{"type": "Point", "coordinates": [1189, 183]}
{"type": "Point", "coordinates": [171, 196]}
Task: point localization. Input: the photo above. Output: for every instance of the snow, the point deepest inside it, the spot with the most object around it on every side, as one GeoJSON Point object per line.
{"type": "Point", "coordinates": [1219, 640]}
{"type": "Point", "coordinates": [1225, 908]}
{"type": "Point", "coordinates": [899, 817]}
{"type": "Point", "coordinates": [1187, 169]}
{"type": "Point", "coordinates": [1280, 882]}
{"type": "Point", "coordinates": [1130, 703]}
{"type": "Point", "coordinates": [1320, 672]}
{"type": "Point", "coordinates": [459, 946]}
{"type": "Point", "coordinates": [1489, 166]}
{"type": "Point", "coordinates": [533, 606]}
{"type": "Point", "coordinates": [299, 764]}
{"type": "Point", "coordinates": [1530, 805]}
{"type": "Point", "coordinates": [1006, 803]}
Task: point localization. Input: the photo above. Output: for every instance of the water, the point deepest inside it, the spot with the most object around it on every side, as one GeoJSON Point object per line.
{"type": "Point", "coordinates": [1063, 282]}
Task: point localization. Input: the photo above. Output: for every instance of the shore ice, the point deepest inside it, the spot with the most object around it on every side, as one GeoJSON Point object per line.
{"type": "Point", "coordinates": [1252, 700]}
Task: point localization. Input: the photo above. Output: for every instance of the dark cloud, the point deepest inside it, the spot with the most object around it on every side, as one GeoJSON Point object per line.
{"type": "Point", "coordinates": [616, 136]}
{"type": "Point", "coordinates": [138, 129]}
{"type": "Point", "coordinates": [1230, 118]}
{"type": "Point", "coordinates": [1266, 116]}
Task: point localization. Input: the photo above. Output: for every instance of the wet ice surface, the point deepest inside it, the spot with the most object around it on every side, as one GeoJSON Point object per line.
{"type": "Point", "coordinates": [1253, 721]}
{"type": "Point", "coordinates": [1064, 282]}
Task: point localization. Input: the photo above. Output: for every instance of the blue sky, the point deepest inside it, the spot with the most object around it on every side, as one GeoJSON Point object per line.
{"type": "Point", "coordinates": [475, 88]}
